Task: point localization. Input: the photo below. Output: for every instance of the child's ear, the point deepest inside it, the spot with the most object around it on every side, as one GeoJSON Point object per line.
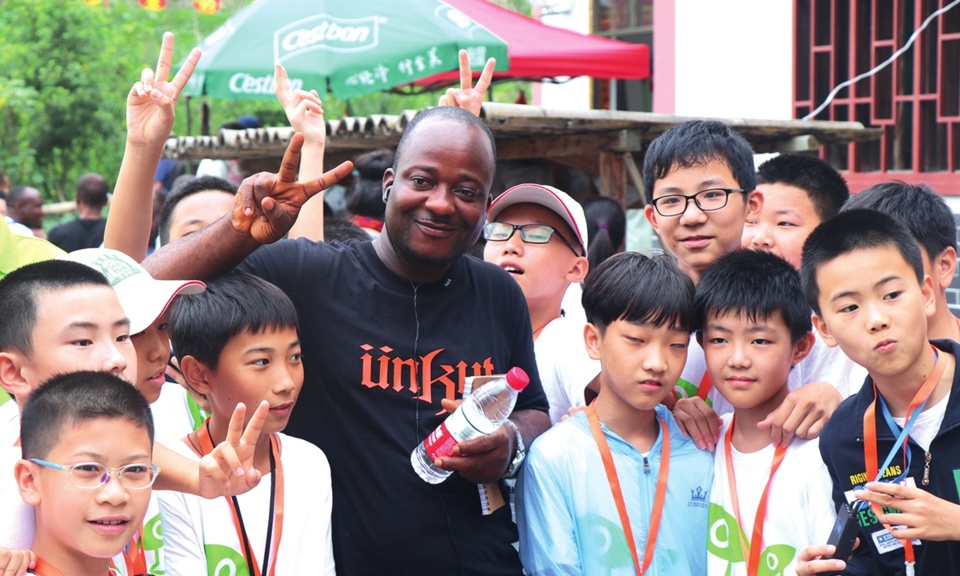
{"type": "Point", "coordinates": [754, 206]}
{"type": "Point", "coordinates": [802, 348]}
{"type": "Point", "coordinates": [944, 267]}
{"type": "Point", "coordinates": [591, 339]}
{"type": "Point", "coordinates": [12, 378]}
{"type": "Point", "coordinates": [929, 297]}
{"type": "Point", "coordinates": [26, 475]}
{"type": "Point", "coordinates": [578, 271]}
{"type": "Point", "coordinates": [196, 373]}
{"type": "Point", "coordinates": [651, 215]}
{"type": "Point", "coordinates": [824, 331]}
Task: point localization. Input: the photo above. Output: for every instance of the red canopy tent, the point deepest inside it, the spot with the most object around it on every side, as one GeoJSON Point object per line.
{"type": "Point", "coordinates": [538, 51]}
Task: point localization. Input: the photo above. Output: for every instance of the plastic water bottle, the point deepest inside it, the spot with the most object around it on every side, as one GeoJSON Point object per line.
{"type": "Point", "coordinates": [481, 413]}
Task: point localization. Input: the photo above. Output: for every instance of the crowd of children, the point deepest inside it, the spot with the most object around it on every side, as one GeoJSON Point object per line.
{"type": "Point", "coordinates": [788, 364]}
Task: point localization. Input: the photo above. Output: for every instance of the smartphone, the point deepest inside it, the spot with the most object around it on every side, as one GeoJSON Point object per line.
{"type": "Point", "coordinates": [844, 533]}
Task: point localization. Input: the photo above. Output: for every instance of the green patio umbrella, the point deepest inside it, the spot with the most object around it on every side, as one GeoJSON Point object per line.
{"type": "Point", "coordinates": [350, 47]}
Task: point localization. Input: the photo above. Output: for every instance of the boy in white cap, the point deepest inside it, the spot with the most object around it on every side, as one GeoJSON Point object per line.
{"type": "Point", "coordinates": [145, 300]}
{"type": "Point", "coordinates": [539, 235]}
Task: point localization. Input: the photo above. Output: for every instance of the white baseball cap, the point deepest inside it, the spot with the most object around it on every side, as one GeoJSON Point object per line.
{"type": "Point", "coordinates": [143, 297]}
{"type": "Point", "coordinates": [548, 197]}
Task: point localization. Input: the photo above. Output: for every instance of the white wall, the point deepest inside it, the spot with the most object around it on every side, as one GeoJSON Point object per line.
{"type": "Point", "coordinates": [573, 94]}
{"type": "Point", "coordinates": [733, 58]}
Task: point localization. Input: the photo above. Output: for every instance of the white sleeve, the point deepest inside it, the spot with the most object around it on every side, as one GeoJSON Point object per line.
{"type": "Point", "coordinates": [182, 533]}
{"type": "Point", "coordinates": [327, 510]}
{"type": "Point", "coordinates": [820, 510]}
{"type": "Point", "coordinates": [307, 480]}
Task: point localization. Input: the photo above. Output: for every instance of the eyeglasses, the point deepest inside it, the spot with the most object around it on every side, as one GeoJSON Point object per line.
{"type": "Point", "coordinates": [706, 200]}
{"type": "Point", "coordinates": [95, 475]}
{"type": "Point", "coordinates": [529, 233]}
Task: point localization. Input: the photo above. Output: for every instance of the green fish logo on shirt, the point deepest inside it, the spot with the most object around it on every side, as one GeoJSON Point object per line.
{"type": "Point", "coordinates": [723, 542]}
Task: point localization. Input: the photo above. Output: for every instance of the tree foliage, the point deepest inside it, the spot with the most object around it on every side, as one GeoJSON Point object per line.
{"type": "Point", "coordinates": [66, 68]}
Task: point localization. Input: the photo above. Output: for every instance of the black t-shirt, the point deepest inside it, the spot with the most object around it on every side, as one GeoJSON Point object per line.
{"type": "Point", "coordinates": [78, 234]}
{"type": "Point", "coordinates": [361, 325]}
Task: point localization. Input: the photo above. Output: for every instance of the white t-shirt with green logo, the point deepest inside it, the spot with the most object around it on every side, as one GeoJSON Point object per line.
{"type": "Point", "coordinates": [800, 510]}
{"type": "Point", "coordinates": [200, 537]}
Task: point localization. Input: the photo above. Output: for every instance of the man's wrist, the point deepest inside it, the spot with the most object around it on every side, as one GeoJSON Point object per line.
{"type": "Point", "coordinates": [519, 451]}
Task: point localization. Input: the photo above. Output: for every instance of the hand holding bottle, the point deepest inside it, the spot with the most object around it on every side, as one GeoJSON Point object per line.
{"type": "Point", "coordinates": [482, 451]}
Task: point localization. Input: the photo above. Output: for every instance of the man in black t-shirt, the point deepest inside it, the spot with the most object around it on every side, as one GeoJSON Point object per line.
{"type": "Point", "coordinates": [87, 230]}
{"type": "Point", "coordinates": [390, 329]}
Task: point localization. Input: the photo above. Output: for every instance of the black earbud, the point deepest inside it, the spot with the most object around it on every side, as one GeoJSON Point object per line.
{"type": "Point", "coordinates": [386, 194]}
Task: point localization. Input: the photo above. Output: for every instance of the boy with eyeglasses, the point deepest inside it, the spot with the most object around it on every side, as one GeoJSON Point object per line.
{"type": "Point", "coordinates": [538, 234]}
{"type": "Point", "coordinates": [87, 469]}
{"type": "Point", "coordinates": [700, 186]}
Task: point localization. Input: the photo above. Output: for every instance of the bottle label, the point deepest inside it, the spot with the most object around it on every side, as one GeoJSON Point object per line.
{"type": "Point", "coordinates": [452, 431]}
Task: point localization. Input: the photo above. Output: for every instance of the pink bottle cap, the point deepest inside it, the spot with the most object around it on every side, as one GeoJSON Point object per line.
{"type": "Point", "coordinates": [517, 378]}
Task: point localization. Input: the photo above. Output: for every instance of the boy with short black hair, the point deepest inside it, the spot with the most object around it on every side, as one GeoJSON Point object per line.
{"type": "Point", "coordinates": [799, 192]}
{"type": "Point", "coordinates": [754, 327]}
{"type": "Point", "coordinates": [640, 315]}
{"type": "Point", "coordinates": [700, 185]}
{"type": "Point", "coordinates": [863, 275]}
{"type": "Point", "coordinates": [87, 469]}
{"type": "Point", "coordinates": [239, 341]}
{"type": "Point", "coordinates": [932, 224]}
{"type": "Point", "coordinates": [50, 327]}
{"type": "Point", "coordinates": [538, 234]}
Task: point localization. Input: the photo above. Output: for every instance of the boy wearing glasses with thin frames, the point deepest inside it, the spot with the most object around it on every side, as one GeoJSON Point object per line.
{"type": "Point", "coordinates": [538, 234]}
{"type": "Point", "coordinates": [87, 469]}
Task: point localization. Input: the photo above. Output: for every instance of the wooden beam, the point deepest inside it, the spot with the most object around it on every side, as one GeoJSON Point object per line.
{"type": "Point", "coordinates": [565, 145]}
{"type": "Point", "coordinates": [613, 177]}
{"type": "Point", "coordinates": [589, 163]}
{"type": "Point", "coordinates": [635, 177]}
{"type": "Point", "coordinates": [804, 143]}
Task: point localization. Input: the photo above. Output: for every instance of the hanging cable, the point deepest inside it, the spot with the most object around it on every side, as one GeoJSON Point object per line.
{"type": "Point", "coordinates": [883, 65]}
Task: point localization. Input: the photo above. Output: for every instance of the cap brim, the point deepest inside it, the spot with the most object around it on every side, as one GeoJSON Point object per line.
{"type": "Point", "coordinates": [147, 301]}
{"type": "Point", "coordinates": [536, 194]}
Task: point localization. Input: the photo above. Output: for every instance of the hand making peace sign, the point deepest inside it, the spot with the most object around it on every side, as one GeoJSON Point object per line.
{"type": "Point", "coordinates": [151, 101]}
{"type": "Point", "coordinates": [467, 97]}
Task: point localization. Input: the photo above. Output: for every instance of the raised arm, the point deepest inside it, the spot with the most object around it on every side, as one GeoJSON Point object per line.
{"type": "Point", "coordinates": [150, 114]}
{"type": "Point", "coordinates": [305, 113]}
{"type": "Point", "coordinates": [265, 208]}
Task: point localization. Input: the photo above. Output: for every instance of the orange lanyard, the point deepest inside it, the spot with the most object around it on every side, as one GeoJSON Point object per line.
{"type": "Point", "coordinates": [705, 385]}
{"type": "Point", "coordinates": [536, 333]}
{"type": "Point", "coordinates": [43, 568]}
{"type": "Point", "coordinates": [870, 460]}
{"type": "Point", "coordinates": [275, 528]}
{"type": "Point", "coordinates": [658, 499]}
{"type": "Point", "coordinates": [137, 564]}
{"type": "Point", "coordinates": [756, 540]}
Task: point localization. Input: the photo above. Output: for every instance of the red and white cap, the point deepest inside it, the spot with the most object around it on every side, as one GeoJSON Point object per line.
{"type": "Point", "coordinates": [549, 197]}
{"type": "Point", "coordinates": [143, 297]}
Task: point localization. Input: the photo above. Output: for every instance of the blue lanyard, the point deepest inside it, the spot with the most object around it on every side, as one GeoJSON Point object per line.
{"type": "Point", "coordinates": [901, 439]}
